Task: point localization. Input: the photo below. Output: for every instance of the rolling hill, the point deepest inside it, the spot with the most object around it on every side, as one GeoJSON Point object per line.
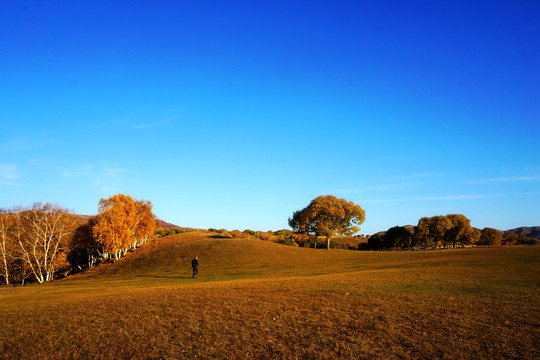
{"type": "Point", "coordinates": [260, 300]}
{"type": "Point", "coordinates": [222, 258]}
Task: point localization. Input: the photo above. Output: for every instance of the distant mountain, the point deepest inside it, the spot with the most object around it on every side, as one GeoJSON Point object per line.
{"type": "Point", "coordinates": [531, 231]}
{"type": "Point", "coordinates": [410, 228]}
{"type": "Point", "coordinates": [167, 225]}
{"type": "Point", "coordinates": [83, 219]}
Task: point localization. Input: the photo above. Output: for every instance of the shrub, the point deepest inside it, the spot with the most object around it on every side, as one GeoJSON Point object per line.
{"type": "Point", "coordinates": [286, 241]}
{"type": "Point", "coordinates": [266, 236]}
{"type": "Point", "coordinates": [238, 234]}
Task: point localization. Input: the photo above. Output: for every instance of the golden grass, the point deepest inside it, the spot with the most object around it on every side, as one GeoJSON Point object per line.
{"type": "Point", "coordinates": [261, 300]}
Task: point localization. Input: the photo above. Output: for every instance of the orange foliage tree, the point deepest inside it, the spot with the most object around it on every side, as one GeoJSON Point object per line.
{"type": "Point", "coordinates": [123, 223]}
{"type": "Point", "coordinates": [444, 230]}
{"type": "Point", "coordinates": [490, 236]}
{"type": "Point", "coordinates": [430, 231]}
{"type": "Point", "coordinates": [328, 216]}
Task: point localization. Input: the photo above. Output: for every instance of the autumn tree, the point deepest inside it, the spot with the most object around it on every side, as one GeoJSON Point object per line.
{"type": "Point", "coordinates": [83, 247]}
{"type": "Point", "coordinates": [328, 216]}
{"type": "Point", "coordinates": [430, 231]}
{"type": "Point", "coordinates": [17, 269]}
{"type": "Point", "coordinates": [526, 240]}
{"type": "Point", "coordinates": [510, 238]}
{"type": "Point", "coordinates": [397, 237]}
{"type": "Point", "coordinates": [461, 231]}
{"type": "Point", "coordinates": [122, 223]}
{"type": "Point", "coordinates": [41, 235]}
{"type": "Point", "coordinates": [376, 241]}
{"type": "Point", "coordinates": [463, 234]}
{"type": "Point", "coordinates": [5, 244]}
{"type": "Point", "coordinates": [146, 222]}
{"type": "Point", "coordinates": [490, 236]}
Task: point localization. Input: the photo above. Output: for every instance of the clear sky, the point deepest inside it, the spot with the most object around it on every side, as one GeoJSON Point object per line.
{"type": "Point", "coordinates": [234, 114]}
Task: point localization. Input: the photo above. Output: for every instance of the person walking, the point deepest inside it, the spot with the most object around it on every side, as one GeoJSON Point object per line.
{"type": "Point", "coordinates": [195, 266]}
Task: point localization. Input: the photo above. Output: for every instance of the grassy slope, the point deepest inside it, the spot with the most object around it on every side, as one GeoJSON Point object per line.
{"type": "Point", "coordinates": [256, 299]}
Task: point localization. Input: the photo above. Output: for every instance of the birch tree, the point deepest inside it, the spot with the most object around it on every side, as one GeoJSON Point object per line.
{"type": "Point", "coordinates": [5, 244]}
{"type": "Point", "coordinates": [122, 224]}
{"type": "Point", "coordinates": [41, 237]}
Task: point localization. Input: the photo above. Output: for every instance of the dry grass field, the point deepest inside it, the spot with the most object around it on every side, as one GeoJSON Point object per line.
{"type": "Point", "coordinates": [260, 300]}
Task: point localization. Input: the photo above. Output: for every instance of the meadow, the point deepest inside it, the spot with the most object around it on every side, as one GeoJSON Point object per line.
{"type": "Point", "coordinates": [260, 300]}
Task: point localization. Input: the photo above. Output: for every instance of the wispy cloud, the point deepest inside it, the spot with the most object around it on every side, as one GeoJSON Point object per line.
{"type": "Point", "coordinates": [114, 172]}
{"type": "Point", "coordinates": [8, 172]}
{"type": "Point", "coordinates": [147, 125]}
{"type": "Point", "coordinates": [419, 175]}
{"type": "Point", "coordinates": [378, 187]}
{"type": "Point", "coordinates": [408, 156]}
{"type": "Point", "coordinates": [112, 180]}
{"type": "Point", "coordinates": [503, 179]}
{"type": "Point", "coordinates": [29, 142]}
{"type": "Point", "coordinates": [9, 175]}
{"type": "Point", "coordinates": [451, 197]}
{"type": "Point", "coordinates": [142, 126]}
{"type": "Point", "coordinates": [37, 163]}
{"type": "Point", "coordinates": [74, 173]}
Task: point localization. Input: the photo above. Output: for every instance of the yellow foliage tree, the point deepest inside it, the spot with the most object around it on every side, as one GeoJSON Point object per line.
{"type": "Point", "coordinates": [123, 223]}
{"type": "Point", "coordinates": [328, 216]}
{"type": "Point", "coordinates": [146, 221]}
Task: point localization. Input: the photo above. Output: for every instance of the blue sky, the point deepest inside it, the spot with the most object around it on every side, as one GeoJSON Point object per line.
{"type": "Point", "coordinates": [234, 114]}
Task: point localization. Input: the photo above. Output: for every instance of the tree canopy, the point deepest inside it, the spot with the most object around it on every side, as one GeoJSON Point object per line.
{"type": "Point", "coordinates": [396, 237]}
{"type": "Point", "coordinates": [328, 216]}
{"type": "Point", "coordinates": [123, 223]}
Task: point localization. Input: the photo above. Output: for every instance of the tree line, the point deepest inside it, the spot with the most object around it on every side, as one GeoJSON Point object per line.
{"type": "Point", "coordinates": [450, 231]}
{"type": "Point", "coordinates": [43, 240]}
{"type": "Point", "coordinates": [327, 216]}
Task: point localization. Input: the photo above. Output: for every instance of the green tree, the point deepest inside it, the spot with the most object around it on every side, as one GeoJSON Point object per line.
{"type": "Point", "coordinates": [328, 216]}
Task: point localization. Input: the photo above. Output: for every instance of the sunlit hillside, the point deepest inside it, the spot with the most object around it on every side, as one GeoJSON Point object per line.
{"type": "Point", "coordinates": [261, 300]}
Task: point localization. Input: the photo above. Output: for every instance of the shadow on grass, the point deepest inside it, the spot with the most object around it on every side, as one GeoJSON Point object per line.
{"type": "Point", "coordinates": [220, 237]}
